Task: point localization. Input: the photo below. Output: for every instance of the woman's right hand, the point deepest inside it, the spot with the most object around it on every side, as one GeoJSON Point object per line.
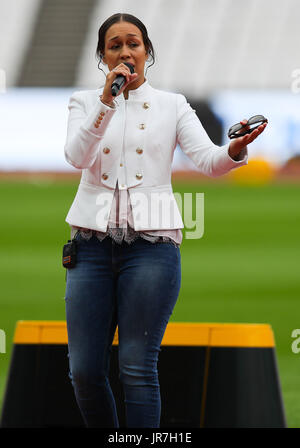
{"type": "Point", "coordinates": [120, 69]}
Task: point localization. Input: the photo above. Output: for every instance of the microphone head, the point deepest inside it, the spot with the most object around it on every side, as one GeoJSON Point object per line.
{"type": "Point", "coordinates": [130, 66]}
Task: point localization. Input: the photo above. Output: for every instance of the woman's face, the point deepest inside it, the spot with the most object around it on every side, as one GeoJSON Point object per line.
{"type": "Point", "coordinates": [124, 43]}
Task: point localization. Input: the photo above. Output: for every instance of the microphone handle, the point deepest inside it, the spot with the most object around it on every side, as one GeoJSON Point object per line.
{"type": "Point", "coordinates": [117, 85]}
{"type": "Point", "coordinates": [120, 81]}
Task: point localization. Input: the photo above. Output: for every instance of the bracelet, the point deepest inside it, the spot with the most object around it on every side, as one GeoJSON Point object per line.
{"type": "Point", "coordinates": [106, 104]}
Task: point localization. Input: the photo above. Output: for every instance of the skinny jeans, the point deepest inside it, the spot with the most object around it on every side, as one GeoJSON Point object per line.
{"type": "Point", "coordinates": [135, 287]}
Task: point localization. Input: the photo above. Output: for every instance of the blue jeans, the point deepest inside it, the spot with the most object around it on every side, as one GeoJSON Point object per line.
{"type": "Point", "coordinates": [135, 287]}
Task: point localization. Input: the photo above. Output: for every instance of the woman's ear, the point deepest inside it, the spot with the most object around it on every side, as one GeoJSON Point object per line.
{"type": "Point", "coordinates": [103, 58]}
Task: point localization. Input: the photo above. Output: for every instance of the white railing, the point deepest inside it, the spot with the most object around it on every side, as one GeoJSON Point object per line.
{"type": "Point", "coordinates": [17, 20]}
{"type": "Point", "coordinates": [204, 45]}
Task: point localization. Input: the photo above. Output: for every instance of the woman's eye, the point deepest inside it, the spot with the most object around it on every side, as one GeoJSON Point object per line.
{"type": "Point", "coordinates": [116, 46]}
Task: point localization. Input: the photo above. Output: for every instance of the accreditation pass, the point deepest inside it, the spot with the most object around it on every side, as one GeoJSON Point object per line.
{"type": "Point", "coordinates": [151, 439]}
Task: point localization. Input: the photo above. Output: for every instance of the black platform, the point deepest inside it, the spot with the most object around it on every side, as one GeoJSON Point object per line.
{"type": "Point", "coordinates": [211, 375]}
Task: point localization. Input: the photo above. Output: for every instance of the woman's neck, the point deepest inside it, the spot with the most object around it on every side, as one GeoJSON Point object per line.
{"type": "Point", "coordinates": [135, 85]}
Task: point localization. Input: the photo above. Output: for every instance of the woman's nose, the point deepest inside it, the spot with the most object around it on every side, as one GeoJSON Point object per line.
{"type": "Point", "coordinates": [125, 53]}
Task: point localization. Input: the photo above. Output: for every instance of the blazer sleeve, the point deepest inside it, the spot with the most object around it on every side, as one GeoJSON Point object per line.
{"type": "Point", "coordinates": [211, 159]}
{"type": "Point", "coordinates": [85, 130]}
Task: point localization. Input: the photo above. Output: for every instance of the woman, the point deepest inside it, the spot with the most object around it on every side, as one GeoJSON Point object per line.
{"type": "Point", "coordinates": [128, 258]}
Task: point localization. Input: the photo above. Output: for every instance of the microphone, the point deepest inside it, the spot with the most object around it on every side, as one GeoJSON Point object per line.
{"type": "Point", "coordinates": [120, 81]}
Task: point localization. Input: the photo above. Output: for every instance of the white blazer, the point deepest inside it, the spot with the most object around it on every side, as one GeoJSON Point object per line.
{"type": "Point", "coordinates": [140, 134]}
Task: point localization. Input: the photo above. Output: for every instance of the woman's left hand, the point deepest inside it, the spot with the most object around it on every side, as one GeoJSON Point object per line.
{"type": "Point", "coordinates": [239, 143]}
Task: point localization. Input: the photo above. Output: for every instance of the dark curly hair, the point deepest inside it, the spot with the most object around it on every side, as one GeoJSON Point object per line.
{"type": "Point", "coordinates": [121, 17]}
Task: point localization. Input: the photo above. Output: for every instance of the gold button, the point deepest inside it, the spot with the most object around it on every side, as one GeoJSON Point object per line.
{"type": "Point", "coordinates": [96, 125]}
{"type": "Point", "coordinates": [104, 176]}
{"type": "Point", "coordinates": [139, 176]}
{"type": "Point", "coordinates": [139, 150]}
{"type": "Point", "coordinates": [102, 114]}
{"type": "Point", "coordinates": [99, 119]}
{"type": "Point", "coordinates": [146, 105]}
{"type": "Point", "coordinates": [121, 164]}
{"type": "Point", "coordinates": [142, 126]}
{"type": "Point", "coordinates": [106, 150]}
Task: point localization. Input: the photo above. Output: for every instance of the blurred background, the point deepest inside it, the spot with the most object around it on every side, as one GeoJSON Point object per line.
{"type": "Point", "coordinates": [232, 60]}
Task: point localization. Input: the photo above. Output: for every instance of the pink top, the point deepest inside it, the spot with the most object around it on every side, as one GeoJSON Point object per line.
{"type": "Point", "coordinates": [120, 219]}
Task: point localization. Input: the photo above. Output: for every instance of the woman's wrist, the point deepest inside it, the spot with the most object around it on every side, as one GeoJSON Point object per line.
{"type": "Point", "coordinates": [233, 156]}
{"type": "Point", "coordinates": [107, 102]}
{"type": "Point", "coordinates": [233, 152]}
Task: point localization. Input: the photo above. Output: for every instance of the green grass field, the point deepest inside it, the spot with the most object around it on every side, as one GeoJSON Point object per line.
{"type": "Point", "coordinates": [244, 269]}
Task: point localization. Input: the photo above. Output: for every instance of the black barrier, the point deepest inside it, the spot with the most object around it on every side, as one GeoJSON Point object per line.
{"type": "Point", "coordinates": [211, 376]}
{"type": "Point", "coordinates": [209, 120]}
